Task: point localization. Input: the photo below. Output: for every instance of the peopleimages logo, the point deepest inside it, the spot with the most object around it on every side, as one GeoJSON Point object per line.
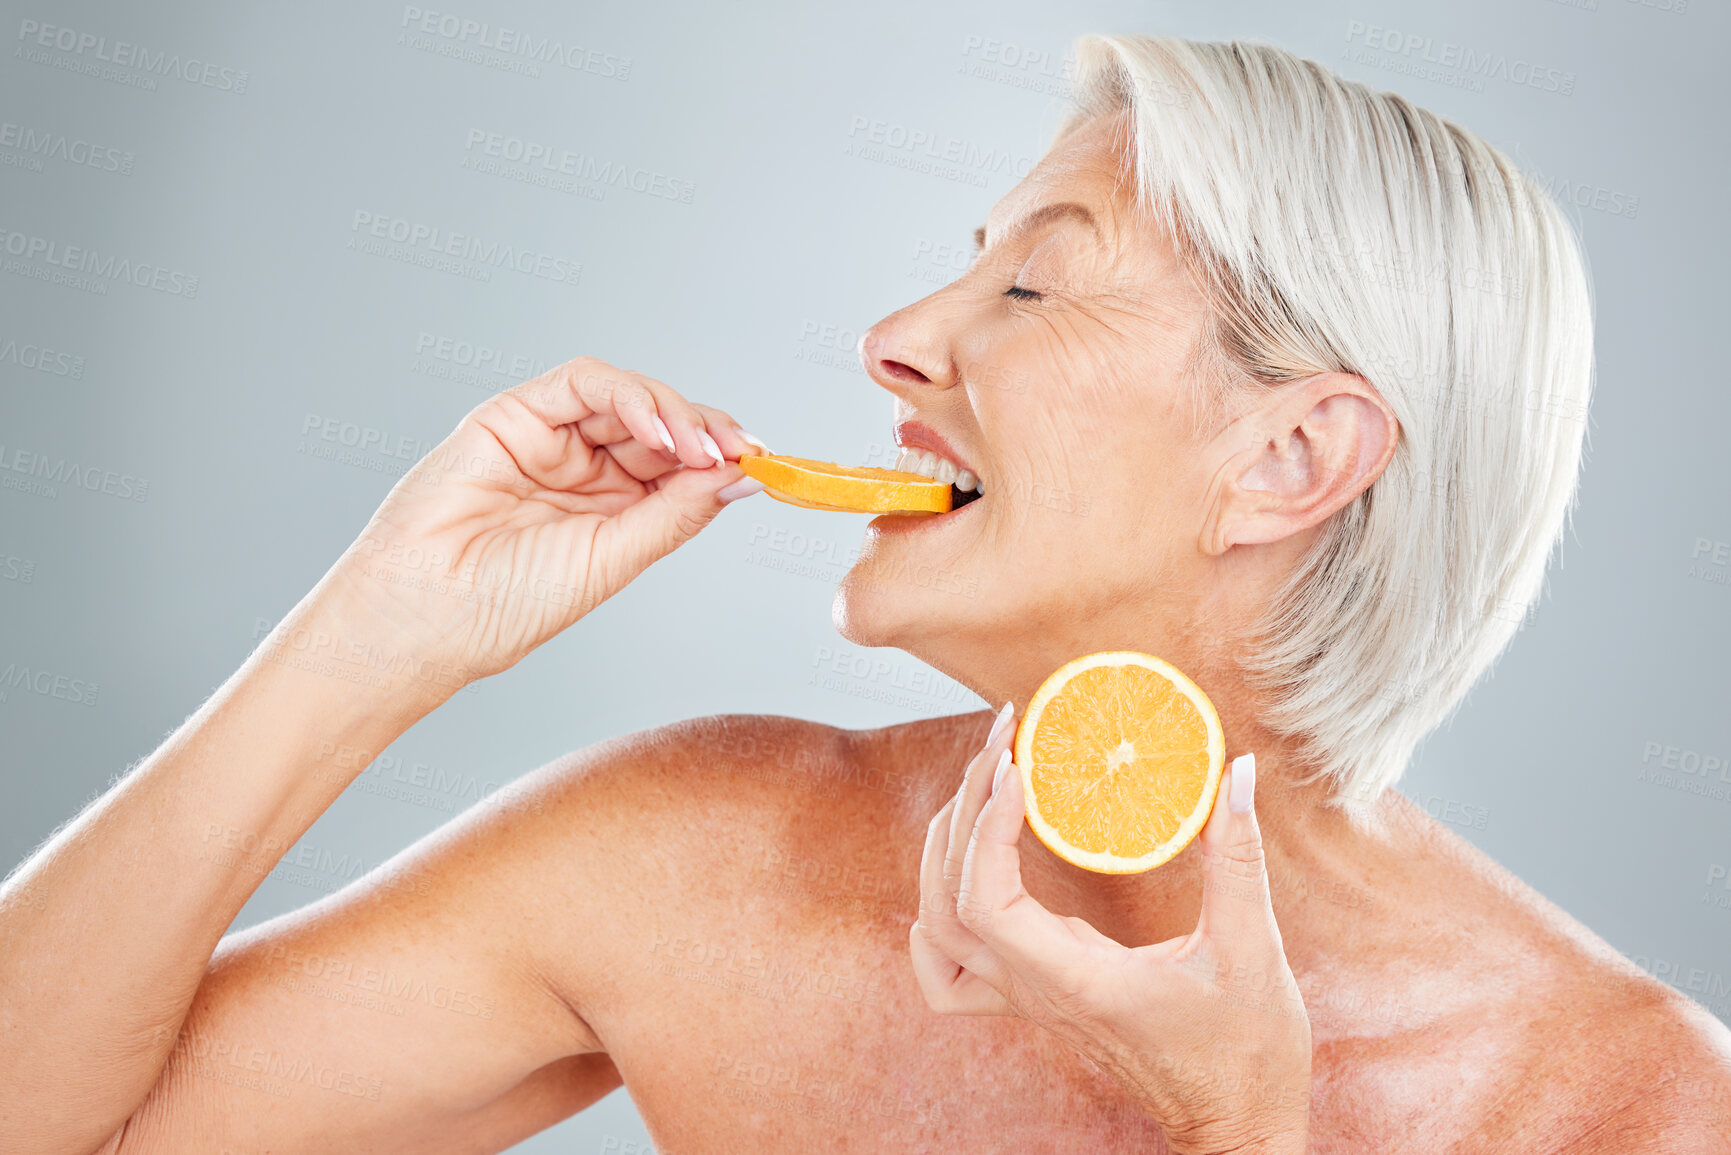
{"type": "Point", "coordinates": [933, 153]}
{"type": "Point", "coordinates": [581, 167]}
{"type": "Point", "coordinates": [42, 144]}
{"type": "Point", "coordinates": [26, 355]}
{"type": "Point", "coordinates": [1591, 196]}
{"type": "Point", "coordinates": [83, 262]}
{"type": "Point", "coordinates": [1685, 770]}
{"type": "Point", "coordinates": [46, 683]}
{"type": "Point", "coordinates": [469, 362]}
{"type": "Point", "coordinates": [512, 42]}
{"type": "Point", "coordinates": [1409, 52]}
{"type": "Point", "coordinates": [464, 253]}
{"type": "Point", "coordinates": [46, 472]}
{"type": "Point", "coordinates": [366, 437]}
{"type": "Point", "coordinates": [86, 47]}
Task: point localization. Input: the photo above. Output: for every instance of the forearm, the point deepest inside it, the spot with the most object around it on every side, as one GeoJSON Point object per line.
{"type": "Point", "coordinates": [106, 932]}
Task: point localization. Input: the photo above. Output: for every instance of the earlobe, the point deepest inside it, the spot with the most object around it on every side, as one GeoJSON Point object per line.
{"type": "Point", "coordinates": [1293, 461]}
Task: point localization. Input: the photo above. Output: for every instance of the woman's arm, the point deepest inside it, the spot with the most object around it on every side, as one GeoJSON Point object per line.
{"type": "Point", "coordinates": [546, 500]}
{"type": "Point", "coordinates": [106, 931]}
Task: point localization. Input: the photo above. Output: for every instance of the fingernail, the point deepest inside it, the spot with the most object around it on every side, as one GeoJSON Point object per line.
{"type": "Point", "coordinates": [998, 724]}
{"type": "Point", "coordinates": [751, 437]}
{"type": "Point", "coordinates": [1243, 784]}
{"type": "Point", "coordinates": [744, 487]}
{"type": "Point", "coordinates": [666, 437]}
{"type": "Point", "coordinates": [710, 447]}
{"type": "Point", "coordinates": [1001, 773]}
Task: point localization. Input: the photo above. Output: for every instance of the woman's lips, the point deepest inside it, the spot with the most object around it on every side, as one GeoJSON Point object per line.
{"type": "Point", "coordinates": [904, 522]}
{"type": "Point", "coordinates": [919, 435]}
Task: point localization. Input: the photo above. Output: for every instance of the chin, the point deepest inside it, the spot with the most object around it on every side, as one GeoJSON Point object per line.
{"type": "Point", "coordinates": [867, 614]}
{"type": "Point", "coordinates": [922, 624]}
{"type": "Point", "coordinates": [870, 612]}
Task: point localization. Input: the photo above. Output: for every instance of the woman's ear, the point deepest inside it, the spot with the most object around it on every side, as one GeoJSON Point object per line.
{"type": "Point", "coordinates": [1302, 452]}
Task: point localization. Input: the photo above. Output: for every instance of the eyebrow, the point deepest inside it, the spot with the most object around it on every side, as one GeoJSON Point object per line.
{"type": "Point", "coordinates": [1040, 216]}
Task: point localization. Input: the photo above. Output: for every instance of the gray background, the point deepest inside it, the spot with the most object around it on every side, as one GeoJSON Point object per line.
{"type": "Point", "coordinates": [749, 297]}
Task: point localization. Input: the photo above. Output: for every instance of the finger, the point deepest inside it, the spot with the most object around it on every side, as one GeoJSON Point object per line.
{"type": "Point", "coordinates": [604, 402]}
{"type": "Point", "coordinates": [643, 462]}
{"type": "Point", "coordinates": [586, 386]}
{"type": "Point", "coordinates": [734, 441]}
{"type": "Point", "coordinates": [537, 426]}
{"type": "Point", "coordinates": [683, 425]}
{"type": "Point", "coordinates": [991, 902]}
{"type": "Point", "coordinates": [933, 892]}
{"type": "Point", "coordinates": [948, 987]}
{"type": "Point", "coordinates": [639, 460]}
{"type": "Point", "coordinates": [938, 924]}
{"type": "Point", "coordinates": [975, 789]}
{"type": "Point", "coordinates": [603, 429]}
{"type": "Point", "coordinates": [1237, 912]}
{"type": "Point", "coordinates": [677, 507]}
{"type": "Point", "coordinates": [937, 889]}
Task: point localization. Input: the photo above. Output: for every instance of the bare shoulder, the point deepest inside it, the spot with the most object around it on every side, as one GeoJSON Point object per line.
{"type": "Point", "coordinates": [691, 826]}
{"type": "Point", "coordinates": [685, 802]}
{"type": "Point", "coordinates": [1599, 1056]}
{"type": "Point", "coordinates": [1654, 1063]}
{"type": "Point", "coordinates": [755, 761]}
{"type": "Point", "coordinates": [1619, 1063]}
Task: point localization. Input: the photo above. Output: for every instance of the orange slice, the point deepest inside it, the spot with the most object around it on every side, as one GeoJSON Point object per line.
{"type": "Point", "coordinates": [846, 488]}
{"type": "Point", "coordinates": [1120, 756]}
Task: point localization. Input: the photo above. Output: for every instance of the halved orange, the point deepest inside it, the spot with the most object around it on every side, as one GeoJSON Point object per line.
{"type": "Point", "coordinates": [1121, 757]}
{"type": "Point", "coordinates": [846, 488]}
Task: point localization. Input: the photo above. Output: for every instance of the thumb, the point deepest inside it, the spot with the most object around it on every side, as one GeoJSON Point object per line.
{"type": "Point", "coordinates": [1237, 912]}
{"type": "Point", "coordinates": [660, 522]}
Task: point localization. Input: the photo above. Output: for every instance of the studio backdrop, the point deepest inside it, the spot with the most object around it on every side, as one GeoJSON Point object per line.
{"type": "Point", "coordinates": [258, 259]}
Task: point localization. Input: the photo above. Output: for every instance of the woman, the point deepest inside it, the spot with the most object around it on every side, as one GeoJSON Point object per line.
{"type": "Point", "coordinates": [1282, 335]}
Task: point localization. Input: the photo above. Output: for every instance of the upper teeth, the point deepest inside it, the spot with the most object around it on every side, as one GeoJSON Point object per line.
{"type": "Point", "coordinates": [928, 464]}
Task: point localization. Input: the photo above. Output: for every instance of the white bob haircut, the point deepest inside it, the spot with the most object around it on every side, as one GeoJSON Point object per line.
{"type": "Point", "coordinates": [1334, 228]}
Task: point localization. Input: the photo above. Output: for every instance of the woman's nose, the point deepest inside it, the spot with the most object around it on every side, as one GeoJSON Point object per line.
{"type": "Point", "coordinates": [899, 358]}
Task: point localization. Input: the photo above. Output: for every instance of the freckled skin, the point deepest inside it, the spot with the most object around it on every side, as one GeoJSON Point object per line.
{"type": "Point", "coordinates": [716, 913]}
{"type": "Point", "coordinates": [721, 907]}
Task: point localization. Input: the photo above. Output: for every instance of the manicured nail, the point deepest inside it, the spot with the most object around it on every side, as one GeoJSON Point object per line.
{"type": "Point", "coordinates": [1002, 772]}
{"type": "Point", "coordinates": [998, 724]}
{"type": "Point", "coordinates": [1243, 784]}
{"type": "Point", "coordinates": [666, 437]}
{"type": "Point", "coordinates": [753, 438]}
{"type": "Point", "coordinates": [710, 447]}
{"type": "Point", "coordinates": [744, 487]}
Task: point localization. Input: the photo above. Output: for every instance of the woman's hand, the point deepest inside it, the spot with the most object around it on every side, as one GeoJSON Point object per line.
{"type": "Point", "coordinates": [1207, 1030]}
{"type": "Point", "coordinates": [547, 499]}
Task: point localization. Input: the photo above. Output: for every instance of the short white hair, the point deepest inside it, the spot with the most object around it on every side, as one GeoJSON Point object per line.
{"type": "Point", "coordinates": [1336, 228]}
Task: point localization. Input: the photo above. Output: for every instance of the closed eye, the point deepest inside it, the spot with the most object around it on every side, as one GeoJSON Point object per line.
{"type": "Point", "coordinates": [1021, 294]}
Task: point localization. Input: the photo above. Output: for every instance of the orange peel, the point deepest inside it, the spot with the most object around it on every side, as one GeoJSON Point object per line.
{"type": "Point", "coordinates": [846, 488]}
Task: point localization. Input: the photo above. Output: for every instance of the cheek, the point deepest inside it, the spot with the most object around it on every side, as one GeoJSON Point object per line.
{"type": "Point", "coordinates": [1121, 469]}
{"type": "Point", "coordinates": [1106, 409]}
{"type": "Point", "coordinates": [1087, 430]}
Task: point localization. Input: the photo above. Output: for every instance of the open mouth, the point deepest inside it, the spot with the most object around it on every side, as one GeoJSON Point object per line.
{"type": "Point", "coordinates": [965, 485]}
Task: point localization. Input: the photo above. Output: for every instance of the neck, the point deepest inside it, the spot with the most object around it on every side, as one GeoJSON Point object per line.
{"type": "Point", "coordinates": [1313, 854]}
{"type": "Point", "coordinates": [1311, 848]}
